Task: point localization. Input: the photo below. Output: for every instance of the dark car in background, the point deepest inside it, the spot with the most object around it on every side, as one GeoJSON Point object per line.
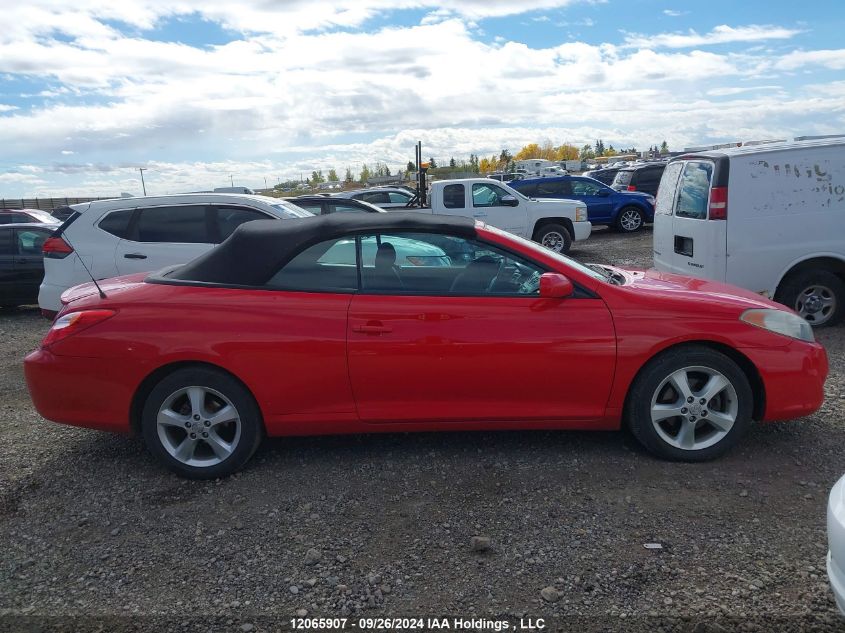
{"type": "Point", "coordinates": [62, 213]}
{"type": "Point", "coordinates": [644, 178]}
{"type": "Point", "coordinates": [604, 175]}
{"type": "Point", "coordinates": [622, 210]}
{"type": "Point", "coordinates": [25, 216]}
{"type": "Point", "coordinates": [323, 205]}
{"type": "Point", "coordinates": [21, 261]}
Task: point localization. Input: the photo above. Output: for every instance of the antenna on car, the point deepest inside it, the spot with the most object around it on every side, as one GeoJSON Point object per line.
{"type": "Point", "coordinates": [82, 261]}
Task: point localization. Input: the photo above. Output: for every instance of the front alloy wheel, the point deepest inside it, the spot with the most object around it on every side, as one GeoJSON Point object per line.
{"type": "Point", "coordinates": [694, 408]}
{"type": "Point", "coordinates": [690, 403]}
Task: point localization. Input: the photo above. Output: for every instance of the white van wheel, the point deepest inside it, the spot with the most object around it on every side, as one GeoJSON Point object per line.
{"type": "Point", "coordinates": [818, 296]}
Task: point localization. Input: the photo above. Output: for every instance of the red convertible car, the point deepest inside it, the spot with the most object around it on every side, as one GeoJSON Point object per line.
{"type": "Point", "coordinates": [398, 322]}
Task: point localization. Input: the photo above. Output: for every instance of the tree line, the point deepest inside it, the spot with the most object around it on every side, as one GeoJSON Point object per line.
{"type": "Point", "coordinates": [503, 162]}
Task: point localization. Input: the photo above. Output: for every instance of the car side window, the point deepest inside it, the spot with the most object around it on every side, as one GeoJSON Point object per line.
{"type": "Point", "coordinates": [585, 188]}
{"type": "Point", "coordinates": [314, 207]}
{"type": "Point", "coordinates": [454, 197]}
{"type": "Point", "coordinates": [485, 195]}
{"type": "Point", "coordinates": [396, 197]}
{"type": "Point", "coordinates": [117, 223]}
{"type": "Point", "coordinates": [184, 224]}
{"type": "Point", "coordinates": [339, 207]}
{"type": "Point", "coordinates": [328, 266]}
{"type": "Point", "coordinates": [375, 197]}
{"type": "Point", "coordinates": [443, 265]}
{"type": "Point", "coordinates": [30, 241]}
{"type": "Point", "coordinates": [230, 218]}
{"type": "Point", "coordinates": [552, 188]}
{"type": "Point", "coordinates": [6, 244]}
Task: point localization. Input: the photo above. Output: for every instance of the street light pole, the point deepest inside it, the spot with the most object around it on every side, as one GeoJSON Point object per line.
{"type": "Point", "coordinates": [143, 186]}
{"type": "Point", "coordinates": [231, 180]}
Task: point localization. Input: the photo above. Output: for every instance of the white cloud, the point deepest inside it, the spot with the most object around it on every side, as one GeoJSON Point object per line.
{"type": "Point", "coordinates": [722, 34]}
{"type": "Point", "coordinates": [673, 13]}
{"type": "Point", "coordinates": [833, 59]}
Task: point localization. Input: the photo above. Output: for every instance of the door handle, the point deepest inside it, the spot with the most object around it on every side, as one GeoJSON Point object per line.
{"type": "Point", "coordinates": [479, 215]}
{"type": "Point", "coordinates": [21, 260]}
{"type": "Point", "coordinates": [135, 256]}
{"type": "Point", "coordinates": [373, 327]}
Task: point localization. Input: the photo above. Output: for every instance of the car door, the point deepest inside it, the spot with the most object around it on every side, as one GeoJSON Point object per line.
{"type": "Point", "coordinates": [489, 204]}
{"type": "Point", "coordinates": [473, 341]}
{"type": "Point", "coordinates": [163, 236]}
{"type": "Point", "coordinates": [7, 264]}
{"type": "Point", "coordinates": [596, 196]}
{"type": "Point", "coordinates": [29, 261]}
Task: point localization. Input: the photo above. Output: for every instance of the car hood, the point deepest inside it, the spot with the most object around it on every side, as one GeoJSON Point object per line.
{"type": "Point", "coordinates": [653, 284]}
{"type": "Point", "coordinates": [555, 203]}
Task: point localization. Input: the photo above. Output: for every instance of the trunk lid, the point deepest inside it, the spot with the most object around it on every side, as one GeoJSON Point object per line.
{"type": "Point", "coordinates": [110, 287]}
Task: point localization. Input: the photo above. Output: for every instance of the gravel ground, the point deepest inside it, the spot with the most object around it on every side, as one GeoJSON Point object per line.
{"type": "Point", "coordinates": [383, 525]}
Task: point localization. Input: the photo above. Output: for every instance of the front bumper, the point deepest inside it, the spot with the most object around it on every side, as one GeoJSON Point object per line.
{"type": "Point", "coordinates": [89, 392]}
{"type": "Point", "coordinates": [793, 378]}
{"type": "Point", "coordinates": [836, 543]}
{"type": "Point", "coordinates": [582, 230]}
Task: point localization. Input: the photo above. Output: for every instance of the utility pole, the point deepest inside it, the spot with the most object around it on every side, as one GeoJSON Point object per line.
{"type": "Point", "coordinates": [143, 186]}
{"type": "Point", "coordinates": [265, 182]}
{"type": "Point", "coordinates": [231, 180]}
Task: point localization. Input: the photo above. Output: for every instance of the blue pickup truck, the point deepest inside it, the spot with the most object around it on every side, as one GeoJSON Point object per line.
{"type": "Point", "coordinates": [626, 211]}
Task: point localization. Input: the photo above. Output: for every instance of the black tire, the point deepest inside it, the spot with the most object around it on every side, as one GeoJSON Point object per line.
{"type": "Point", "coordinates": [554, 234]}
{"type": "Point", "coordinates": [631, 227]}
{"type": "Point", "coordinates": [797, 287]}
{"type": "Point", "coordinates": [651, 377]}
{"type": "Point", "coordinates": [250, 420]}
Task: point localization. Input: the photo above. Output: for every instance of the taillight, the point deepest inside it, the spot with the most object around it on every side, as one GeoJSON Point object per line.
{"type": "Point", "coordinates": [631, 188]}
{"type": "Point", "coordinates": [719, 203]}
{"type": "Point", "coordinates": [73, 323]}
{"type": "Point", "coordinates": [56, 248]}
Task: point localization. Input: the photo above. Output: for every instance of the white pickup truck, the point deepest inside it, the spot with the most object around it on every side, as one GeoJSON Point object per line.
{"type": "Point", "coordinates": [552, 223]}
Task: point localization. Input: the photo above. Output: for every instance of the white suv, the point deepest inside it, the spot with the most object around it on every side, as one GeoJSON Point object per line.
{"type": "Point", "coordinates": [130, 235]}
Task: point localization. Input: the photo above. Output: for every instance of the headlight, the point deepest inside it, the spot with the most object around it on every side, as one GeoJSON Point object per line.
{"type": "Point", "coordinates": [780, 322]}
{"type": "Point", "coordinates": [580, 214]}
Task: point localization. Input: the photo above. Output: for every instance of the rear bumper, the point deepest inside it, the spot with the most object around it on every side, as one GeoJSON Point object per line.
{"type": "Point", "coordinates": [582, 230]}
{"type": "Point", "coordinates": [793, 378]}
{"type": "Point", "coordinates": [49, 297]}
{"type": "Point", "coordinates": [90, 392]}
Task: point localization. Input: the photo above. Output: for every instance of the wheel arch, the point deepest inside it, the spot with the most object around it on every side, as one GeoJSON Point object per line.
{"type": "Point", "coordinates": [565, 222]}
{"type": "Point", "coordinates": [830, 262]}
{"type": "Point", "coordinates": [154, 377]}
{"type": "Point", "coordinates": [758, 388]}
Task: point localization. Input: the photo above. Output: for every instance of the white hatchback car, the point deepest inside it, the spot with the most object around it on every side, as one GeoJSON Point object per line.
{"type": "Point", "coordinates": [130, 235]}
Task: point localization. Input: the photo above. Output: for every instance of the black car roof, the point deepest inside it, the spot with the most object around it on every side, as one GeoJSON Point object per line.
{"type": "Point", "coordinates": [258, 249]}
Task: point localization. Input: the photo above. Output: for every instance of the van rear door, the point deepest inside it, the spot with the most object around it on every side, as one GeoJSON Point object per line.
{"type": "Point", "coordinates": [695, 207]}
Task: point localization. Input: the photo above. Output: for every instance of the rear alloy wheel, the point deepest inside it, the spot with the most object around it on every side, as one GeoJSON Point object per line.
{"type": "Point", "coordinates": [690, 404]}
{"type": "Point", "coordinates": [201, 423]}
{"type": "Point", "coordinates": [555, 237]}
{"type": "Point", "coordinates": [630, 220]}
{"type": "Point", "coordinates": [818, 296]}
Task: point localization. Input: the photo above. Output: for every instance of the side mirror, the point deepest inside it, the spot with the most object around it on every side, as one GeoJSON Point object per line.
{"type": "Point", "coordinates": [604, 193]}
{"type": "Point", "coordinates": [509, 201]}
{"type": "Point", "coordinates": [555, 286]}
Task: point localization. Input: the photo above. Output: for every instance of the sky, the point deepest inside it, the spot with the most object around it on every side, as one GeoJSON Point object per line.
{"type": "Point", "coordinates": [210, 93]}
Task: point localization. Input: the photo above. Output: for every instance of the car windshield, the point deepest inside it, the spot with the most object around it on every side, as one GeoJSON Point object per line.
{"type": "Point", "coordinates": [601, 274]}
{"type": "Point", "coordinates": [289, 210]}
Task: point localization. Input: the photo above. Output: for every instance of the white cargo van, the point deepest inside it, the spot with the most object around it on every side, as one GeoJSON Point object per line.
{"type": "Point", "coordinates": [769, 218]}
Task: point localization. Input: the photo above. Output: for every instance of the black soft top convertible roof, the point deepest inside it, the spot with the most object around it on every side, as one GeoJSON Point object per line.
{"type": "Point", "coordinates": [258, 249]}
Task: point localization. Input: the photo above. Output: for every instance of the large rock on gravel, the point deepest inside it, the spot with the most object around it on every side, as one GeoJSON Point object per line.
{"type": "Point", "coordinates": [550, 594]}
{"type": "Point", "coordinates": [313, 556]}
